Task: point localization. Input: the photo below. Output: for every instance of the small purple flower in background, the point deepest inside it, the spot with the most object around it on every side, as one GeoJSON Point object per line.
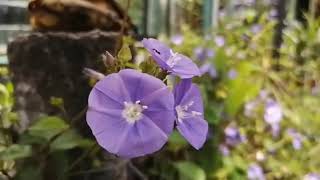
{"type": "Point", "coordinates": [273, 14]}
{"type": "Point", "coordinates": [256, 28]}
{"type": "Point", "coordinates": [210, 69]}
{"type": "Point", "coordinates": [255, 172]}
{"type": "Point", "coordinates": [233, 136]}
{"type": "Point", "coordinates": [199, 53]}
{"type": "Point", "coordinates": [249, 108]}
{"type": "Point", "coordinates": [311, 176]}
{"type": "Point", "coordinates": [273, 112]}
{"type": "Point", "coordinates": [263, 95]}
{"type": "Point", "coordinates": [189, 111]}
{"type": "Point", "coordinates": [177, 39]}
{"type": "Point", "coordinates": [130, 113]}
{"type": "Point", "coordinates": [175, 63]}
{"type": "Point", "coordinates": [210, 53]}
{"type": "Point", "coordinates": [219, 40]}
{"type": "Point", "coordinates": [273, 115]}
{"type": "Point", "coordinates": [275, 130]}
{"type": "Point", "coordinates": [296, 138]}
{"type": "Point", "coordinates": [224, 150]}
{"type": "Point", "coordinates": [232, 74]}
{"type": "Point", "coordinates": [203, 53]}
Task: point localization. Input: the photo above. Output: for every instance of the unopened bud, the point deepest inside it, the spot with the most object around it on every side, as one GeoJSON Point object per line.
{"type": "Point", "coordinates": [93, 74]}
{"type": "Point", "coordinates": [108, 59]}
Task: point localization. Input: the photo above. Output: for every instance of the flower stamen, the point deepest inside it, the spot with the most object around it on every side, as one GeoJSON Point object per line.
{"type": "Point", "coordinates": [182, 111]}
{"type": "Point", "coordinates": [173, 60]}
{"type": "Point", "coordinates": [132, 112]}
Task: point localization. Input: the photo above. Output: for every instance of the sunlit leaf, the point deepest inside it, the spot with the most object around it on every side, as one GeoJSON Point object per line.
{"type": "Point", "coordinates": [69, 140]}
{"type": "Point", "coordinates": [16, 151]}
{"type": "Point", "coordinates": [176, 141]}
{"type": "Point", "coordinates": [190, 171]}
{"type": "Point", "coordinates": [47, 127]}
{"type": "Point", "coordinates": [124, 54]}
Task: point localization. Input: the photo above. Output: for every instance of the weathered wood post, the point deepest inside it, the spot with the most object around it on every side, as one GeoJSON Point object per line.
{"type": "Point", "coordinates": [45, 65]}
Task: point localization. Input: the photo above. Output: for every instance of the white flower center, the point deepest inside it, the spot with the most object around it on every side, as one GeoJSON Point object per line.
{"type": "Point", "coordinates": [173, 60]}
{"type": "Point", "coordinates": [132, 112]}
{"type": "Point", "coordinates": [182, 111]}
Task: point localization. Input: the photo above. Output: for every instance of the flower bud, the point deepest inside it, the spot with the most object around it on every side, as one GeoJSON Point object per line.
{"type": "Point", "coordinates": [93, 74]}
{"type": "Point", "coordinates": [108, 59]}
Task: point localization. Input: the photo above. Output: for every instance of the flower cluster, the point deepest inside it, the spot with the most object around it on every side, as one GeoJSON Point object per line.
{"type": "Point", "coordinates": [132, 114]}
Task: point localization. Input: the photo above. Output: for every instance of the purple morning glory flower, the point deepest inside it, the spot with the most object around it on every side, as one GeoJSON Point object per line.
{"type": "Point", "coordinates": [273, 112]}
{"type": "Point", "coordinates": [255, 172]}
{"type": "Point", "coordinates": [203, 53]}
{"type": "Point", "coordinates": [209, 68]}
{"type": "Point", "coordinates": [177, 39]}
{"type": "Point", "coordinates": [232, 74]}
{"type": "Point", "coordinates": [311, 176]}
{"type": "Point", "coordinates": [131, 113]}
{"type": "Point", "coordinates": [233, 136]}
{"type": "Point", "coordinates": [273, 115]}
{"type": "Point", "coordinates": [263, 95]}
{"type": "Point", "coordinates": [249, 108]}
{"type": "Point", "coordinates": [296, 138]}
{"type": "Point", "coordinates": [219, 40]}
{"type": "Point", "coordinates": [224, 150]}
{"type": "Point", "coordinates": [256, 28]}
{"type": "Point", "coordinates": [275, 129]}
{"type": "Point", "coordinates": [189, 111]}
{"type": "Point", "coordinates": [199, 53]}
{"type": "Point", "coordinates": [175, 63]}
{"type": "Point", "coordinates": [273, 14]}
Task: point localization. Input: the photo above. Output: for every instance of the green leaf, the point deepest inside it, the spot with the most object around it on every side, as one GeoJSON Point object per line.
{"type": "Point", "coordinates": [29, 172]}
{"type": "Point", "coordinates": [16, 151]}
{"type": "Point", "coordinates": [47, 127]}
{"type": "Point", "coordinates": [242, 88]}
{"type": "Point", "coordinates": [4, 96]}
{"type": "Point", "coordinates": [69, 140]}
{"type": "Point", "coordinates": [213, 114]}
{"type": "Point", "coordinates": [220, 60]}
{"type": "Point", "coordinates": [190, 171]}
{"type": "Point", "coordinates": [176, 141]}
{"type": "Point", "coordinates": [124, 54]}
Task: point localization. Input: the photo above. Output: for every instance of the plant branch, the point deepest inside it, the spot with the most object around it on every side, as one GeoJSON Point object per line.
{"type": "Point", "coordinates": [137, 171]}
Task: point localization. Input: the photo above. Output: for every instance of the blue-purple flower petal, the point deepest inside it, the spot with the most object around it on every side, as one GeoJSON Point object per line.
{"type": "Point", "coordinates": [174, 63]}
{"type": "Point", "coordinates": [124, 113]}
{"type": "Point", "coordinates": [189, 112]}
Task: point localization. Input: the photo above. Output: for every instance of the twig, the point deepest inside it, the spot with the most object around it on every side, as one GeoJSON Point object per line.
{"type": "Point", "coordinates": [84, 155]}
{"type": "Point", "coordinates": [90, 171]}
{"type": "Point", "coordinates": [137, 171]}
{"type": "Point", "coordinates": [78, 116]}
